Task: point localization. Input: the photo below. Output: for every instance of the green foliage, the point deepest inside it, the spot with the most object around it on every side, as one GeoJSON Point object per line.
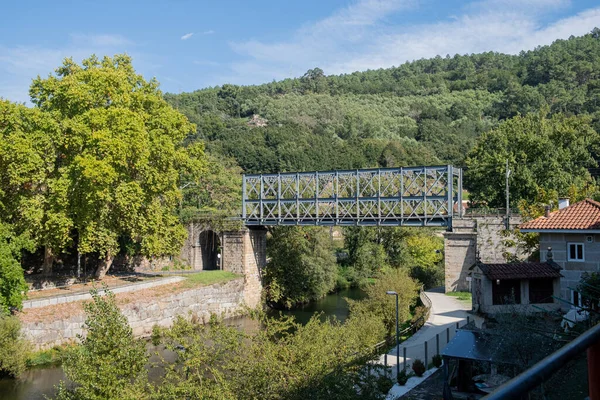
{"type": "Point", "coordinates": [110, 363]}
{"type": "Point", "coordinates": [118, 157]}
{"type": "Point", "coordinates": [418, 367]}
{"type": "Point", "coordinates": [589, 288]}
{"type": "Point", "coordinates": [302, 265]}
{"type": "Point", "coordinates": [12, 281]}
{"type": "Point", "coordinates": [437, 360]}
{"type": "Point", "coordinates": [53, 356]}
{"type": "Point", "coordinates": [205, 278]}
{"type": "Point", "coordinates": [465, 296]}
{"type": "Point", "coordinates": [544, 153]}
{"type": "Point", "coordinates": [402, 377]}
{"type": "Point", "coordinates": [14, 349]}
{"type": "Point", "coordinates": [381, 305]}
{"type": "Point", "coordinates": [370, 118]}
{"type": "Point", "coordinates": [371, 250]}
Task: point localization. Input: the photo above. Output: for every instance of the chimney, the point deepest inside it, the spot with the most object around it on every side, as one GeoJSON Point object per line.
{"type": "Point", "coordinates": [562, 203]}
{"type": "Point", "coordinates": [547, 211]}
{"type": "Point", "coordinates": [549, 255]}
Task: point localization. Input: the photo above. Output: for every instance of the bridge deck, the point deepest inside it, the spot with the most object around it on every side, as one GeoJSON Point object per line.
{"type": "Point", "coordinates": [411, 196]}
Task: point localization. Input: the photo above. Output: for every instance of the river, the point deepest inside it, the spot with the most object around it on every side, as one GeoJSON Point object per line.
{"type": "Point", "coordinates": [37, 382]}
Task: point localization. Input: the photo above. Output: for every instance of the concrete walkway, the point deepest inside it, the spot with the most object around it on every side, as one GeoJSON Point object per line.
{"type": "Point", "coordinates": [446, 312]}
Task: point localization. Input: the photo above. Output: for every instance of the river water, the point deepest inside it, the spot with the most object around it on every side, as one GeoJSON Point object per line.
{"type": "Point", "coordinates": [37, 382]}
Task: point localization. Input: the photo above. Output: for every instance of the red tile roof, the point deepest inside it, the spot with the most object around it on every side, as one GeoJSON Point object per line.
{"type": "Point", "coordinates": [584, 215]}
{"type": "Point", "coordinates": [523, 270]}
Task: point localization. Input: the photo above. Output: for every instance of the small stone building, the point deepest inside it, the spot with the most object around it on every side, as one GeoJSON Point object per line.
{"type": "Point", "coordinates": [573, 235]}
{"type": "Point", "coordinates": [498, 288]}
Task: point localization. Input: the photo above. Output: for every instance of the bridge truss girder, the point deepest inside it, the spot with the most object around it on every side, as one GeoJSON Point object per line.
{"type": "Point", "coordinates": [407, 196]}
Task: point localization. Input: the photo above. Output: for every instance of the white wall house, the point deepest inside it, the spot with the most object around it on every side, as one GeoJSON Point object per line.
{"type": "Point", "coordinates": [573, 235]}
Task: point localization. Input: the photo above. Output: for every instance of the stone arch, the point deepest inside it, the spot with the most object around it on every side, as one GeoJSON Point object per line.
{"type": "Point", "coordinates": [208, 247]}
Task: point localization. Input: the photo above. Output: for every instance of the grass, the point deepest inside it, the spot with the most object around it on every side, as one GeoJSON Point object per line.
{"type": "Point", "coordinates": [464, 296]}
{"type": "Point", "coordinates": [208, 278]}
{"type": "Point", "coordinates": [51, 356]}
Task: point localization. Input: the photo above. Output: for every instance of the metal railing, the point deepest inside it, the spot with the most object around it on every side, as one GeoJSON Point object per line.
{"type": "Point", "coordinates": [543, 370]}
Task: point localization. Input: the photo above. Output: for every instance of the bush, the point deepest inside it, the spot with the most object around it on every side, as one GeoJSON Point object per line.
{"type": "Point", "coordinates": [156, 335]}
{"type": "Point", "coordinates": [14, 350]}
{"type": "Point", "coordinates": [437, 361]}
{"type": "Point", "coordinates": [402, 377]}
{"type": "Point", "coordinates": [110, 363]}
{"type": "Point", "coordinates": [418, 367]}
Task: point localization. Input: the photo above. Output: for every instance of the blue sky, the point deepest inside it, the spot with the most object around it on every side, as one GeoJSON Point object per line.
{"type": "Point", "coordinates": [188, 45]}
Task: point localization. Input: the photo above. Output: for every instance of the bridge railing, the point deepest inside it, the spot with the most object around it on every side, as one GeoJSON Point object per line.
{"type": "Point", "coordinates": [423, 196]}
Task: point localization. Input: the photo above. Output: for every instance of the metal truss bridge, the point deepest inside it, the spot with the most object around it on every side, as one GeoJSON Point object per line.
{"type": "Point", "coordinates": [407, 196]}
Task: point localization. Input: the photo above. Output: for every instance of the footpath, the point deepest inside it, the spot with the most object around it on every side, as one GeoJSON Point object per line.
{"type": "Point", "coordinates": [446, 314]}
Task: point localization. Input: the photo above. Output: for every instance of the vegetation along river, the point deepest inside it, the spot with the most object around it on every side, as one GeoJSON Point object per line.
{"type": "Point", "coordinates": [37, 382]}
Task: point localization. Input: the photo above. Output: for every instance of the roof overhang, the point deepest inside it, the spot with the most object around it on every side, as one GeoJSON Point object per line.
{"type": "Point", "coordinates": [584, 231]}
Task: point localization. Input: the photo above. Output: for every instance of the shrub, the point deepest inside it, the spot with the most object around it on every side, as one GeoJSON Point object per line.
{"type": "Point", "coordinates": [110, 363]}
{"type": "Point", "coordinates": [156, 335]}
{"type": "Point", "coordinates": [437, 361]}
{"type": "Point", "coordinates": [14, 350]}
{"type": "Point", "coordinates": [418, 367]}
{"type": "Point", "coordinates": [402, 377]}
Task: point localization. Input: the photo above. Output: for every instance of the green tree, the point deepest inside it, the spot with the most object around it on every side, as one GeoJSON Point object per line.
{"type": "Point", "coordinates": [121, 156]}
{"type": "Point", "coordinates": [302, 265]}
{"type": "Point", "coordinates": [12, 281]}
{"type": "Point", "coordinates": [383, 306]}
{"type": "Point", "coordinates": [110, 363]}
{"type": "Point", "coordinates": [33, 194]}
{"type": "Point", "coordinates": [14, 349]}
{"type": "Point", "coordinates": [551, 153]}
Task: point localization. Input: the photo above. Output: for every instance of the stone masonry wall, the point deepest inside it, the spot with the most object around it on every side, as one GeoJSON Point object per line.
{"type": "Point", "coordinates": [472, 237]}
{"type": "Point", "coordinates": [223, 299]}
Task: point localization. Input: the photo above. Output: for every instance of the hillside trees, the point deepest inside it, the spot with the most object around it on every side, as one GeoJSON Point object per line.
{"type": "Point", "coordinates": [121, 156]}
{"type": "Point", "coordinates": [544, 152]}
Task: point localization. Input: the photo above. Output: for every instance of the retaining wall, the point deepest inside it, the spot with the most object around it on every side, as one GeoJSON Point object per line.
{"type": "Point", "coordinates": [223, 299]}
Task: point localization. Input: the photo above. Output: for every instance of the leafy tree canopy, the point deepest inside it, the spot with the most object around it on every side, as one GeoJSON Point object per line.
{"type": "Point", "coordinates": [120, 158]}
{"type": "Point", "coordinates": [543, 152]}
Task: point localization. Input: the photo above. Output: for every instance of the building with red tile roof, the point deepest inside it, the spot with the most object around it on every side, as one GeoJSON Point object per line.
{"type": "Point", "coordinates": [581, 217]}
{"type": "Point", "coordinates": [572, 234]}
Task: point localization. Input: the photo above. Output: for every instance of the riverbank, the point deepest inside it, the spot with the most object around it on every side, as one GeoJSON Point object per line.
{"type": "Point", "coordinates": [199, 295]}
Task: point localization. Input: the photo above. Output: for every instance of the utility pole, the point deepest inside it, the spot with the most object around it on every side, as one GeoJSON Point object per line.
{"type": "Point", "coordinates": [507, 220]}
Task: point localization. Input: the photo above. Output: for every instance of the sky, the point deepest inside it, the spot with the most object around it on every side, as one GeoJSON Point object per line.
{"type": "Point", "coordinates": [189, 45]}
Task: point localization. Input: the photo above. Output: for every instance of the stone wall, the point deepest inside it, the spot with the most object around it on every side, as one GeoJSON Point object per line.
{"type": "Point", "coordinates": [223, 299]}
{"type": "Point", "coordinates": [484, 237]}
{"type": "Point", "coordinates": [245, 252]}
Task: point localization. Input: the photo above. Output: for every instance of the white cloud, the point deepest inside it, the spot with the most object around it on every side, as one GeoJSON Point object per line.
{"type": "Point", "coordinates": [20, 64]}
{"type": "Point", "coordinates": [361, 36]}
{"type": "Point", "coordinates": [208, 32]}
{"type": "Point", "coordinates": [187, 36]}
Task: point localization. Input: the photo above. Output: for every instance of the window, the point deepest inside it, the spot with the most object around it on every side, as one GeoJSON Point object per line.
{"type": "Point", "coordinates": [575, 252]}
{"type": "Point", "coordinates": [541, 291]}
{"type": "Point", "coordinates": [506, 292]}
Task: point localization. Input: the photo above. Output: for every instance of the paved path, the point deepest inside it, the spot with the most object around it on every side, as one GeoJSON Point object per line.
{"type": "Point", "coordinates": [72, 297]}
{"type": "Point", "coordinates": [445, 312]}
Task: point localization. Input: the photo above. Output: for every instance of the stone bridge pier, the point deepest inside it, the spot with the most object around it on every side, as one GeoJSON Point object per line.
{"type": "Point", "coordinates": [478, 237]}
{"type": "Point", "coordinates": [241, 251]}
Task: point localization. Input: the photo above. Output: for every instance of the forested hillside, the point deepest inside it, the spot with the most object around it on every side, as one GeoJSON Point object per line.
{"type": "Point", "coordinates": [426, 111]}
